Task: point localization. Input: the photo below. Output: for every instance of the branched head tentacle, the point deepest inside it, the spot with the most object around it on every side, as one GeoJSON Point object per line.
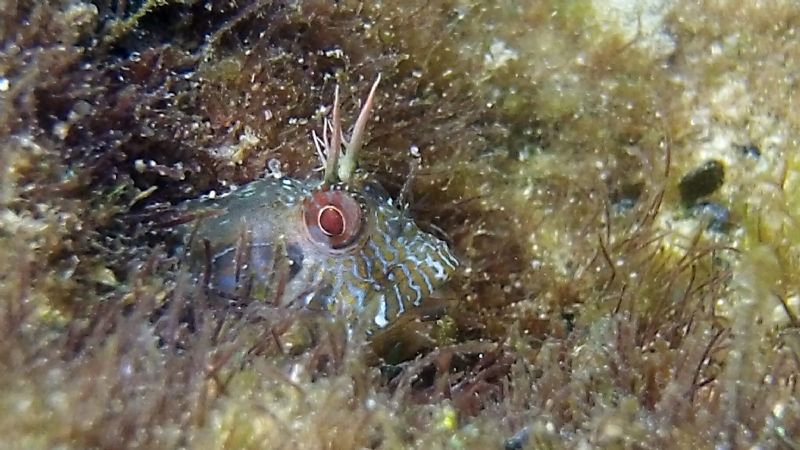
{"type": "Point", "coordinates": [321, 144]}
{"type": "Point", "coordinates": [335, 146]}
{"type": "Point", "coordinates": [350, 158]}
{"type": "Point", "coordinates": [340, 163]}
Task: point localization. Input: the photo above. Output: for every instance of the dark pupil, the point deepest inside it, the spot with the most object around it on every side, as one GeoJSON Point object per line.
{"type": "Point", "coordinates": [331, 221]}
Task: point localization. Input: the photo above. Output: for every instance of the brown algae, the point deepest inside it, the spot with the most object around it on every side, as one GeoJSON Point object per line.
{"type": "Point", "coordinates": [596, 308]}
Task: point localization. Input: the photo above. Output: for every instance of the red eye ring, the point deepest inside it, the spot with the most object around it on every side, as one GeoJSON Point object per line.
{"type": "Point", "coordinates": [333, 218]}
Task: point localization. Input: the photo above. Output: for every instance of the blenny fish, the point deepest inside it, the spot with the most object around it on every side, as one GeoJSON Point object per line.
{"type": "Point", "coordinates": [340, 243]}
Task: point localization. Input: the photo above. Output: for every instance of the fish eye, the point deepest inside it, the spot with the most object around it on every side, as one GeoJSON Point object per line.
{"type": "Point", "coordinates": [333, 218]}
{"type": "Point", "coordinates": [331, 221]}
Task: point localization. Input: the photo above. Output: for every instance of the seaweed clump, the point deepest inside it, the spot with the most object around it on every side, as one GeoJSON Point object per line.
{"type": "Point", "coordinates": [594, 309]}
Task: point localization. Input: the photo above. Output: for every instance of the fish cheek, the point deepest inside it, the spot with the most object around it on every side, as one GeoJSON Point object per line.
{"type": "Point", "coordinates": [321, 298]}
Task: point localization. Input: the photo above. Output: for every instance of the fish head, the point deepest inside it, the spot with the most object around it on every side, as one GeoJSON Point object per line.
{"type": "Point", "coordinates": [374, 256]}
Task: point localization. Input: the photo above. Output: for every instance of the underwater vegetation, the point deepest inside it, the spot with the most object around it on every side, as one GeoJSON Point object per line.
{"type": "Point", "coordinates": [618, 181]}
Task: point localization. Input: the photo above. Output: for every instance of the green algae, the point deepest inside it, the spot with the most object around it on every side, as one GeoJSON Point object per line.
{"type": "Point", "coordinates": [580, 319]}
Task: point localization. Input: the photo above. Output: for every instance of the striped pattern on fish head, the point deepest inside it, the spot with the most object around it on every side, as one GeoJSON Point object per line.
{"type": "Point", "coordinates": [384, 264]}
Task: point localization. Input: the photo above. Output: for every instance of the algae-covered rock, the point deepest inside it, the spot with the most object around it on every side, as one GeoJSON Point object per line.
{"type": "Point", "coordinates": [702, 181]}
{"type": "Point", "coordinates": [618, 179]}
